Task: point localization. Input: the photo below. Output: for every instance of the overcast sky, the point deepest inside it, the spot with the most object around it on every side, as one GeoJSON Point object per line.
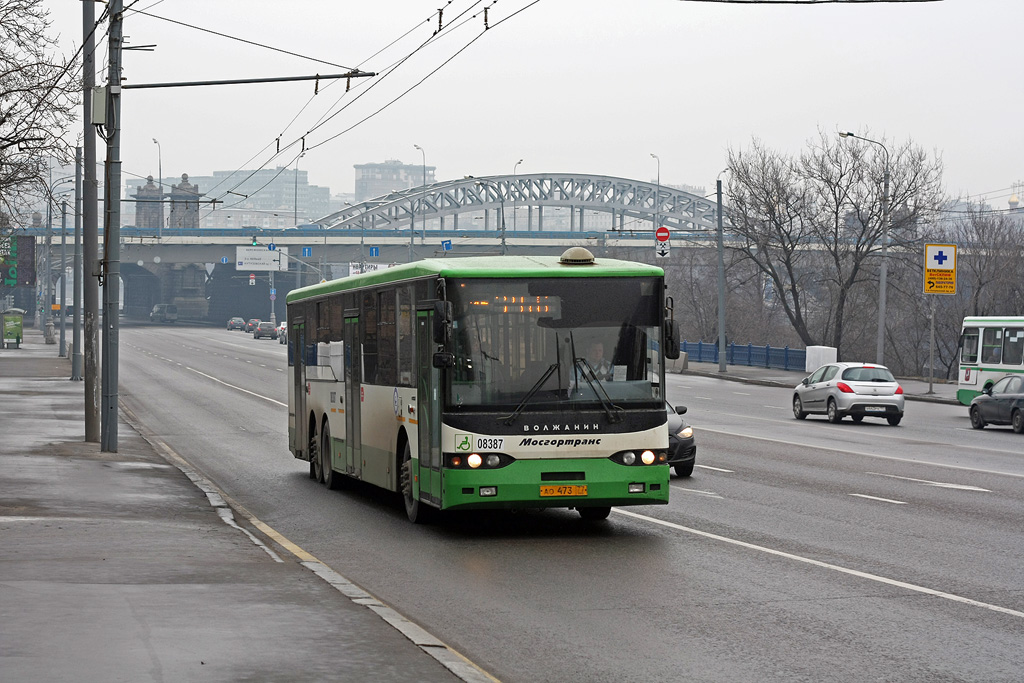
{"type": "Point", "coordinates": [585, 86]}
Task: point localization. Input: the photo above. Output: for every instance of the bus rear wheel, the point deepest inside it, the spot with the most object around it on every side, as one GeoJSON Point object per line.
{"type": "Point", "coordinates": [331, 479]}
{"type": "Point", "coordinates": [316, 465]}
{"type": "Point", "coordinates": [594, 514]}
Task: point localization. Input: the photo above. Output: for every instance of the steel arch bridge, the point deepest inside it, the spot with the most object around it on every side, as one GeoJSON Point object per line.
{"type": "Point", "coordinates": [619, 204]}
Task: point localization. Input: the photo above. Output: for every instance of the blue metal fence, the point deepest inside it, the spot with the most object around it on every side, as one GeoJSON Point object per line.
{"type": "Point", "coordinates": [781, 358]}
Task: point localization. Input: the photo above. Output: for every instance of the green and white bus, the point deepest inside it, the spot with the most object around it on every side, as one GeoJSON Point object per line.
{"type": "Point", "coordinates": [991, 347]}
{"type": "Point", "coordinates": [464, 383]}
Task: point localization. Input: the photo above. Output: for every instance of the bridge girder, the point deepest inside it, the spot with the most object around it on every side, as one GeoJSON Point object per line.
{"type": "Point", "coordinates": [675, 209]}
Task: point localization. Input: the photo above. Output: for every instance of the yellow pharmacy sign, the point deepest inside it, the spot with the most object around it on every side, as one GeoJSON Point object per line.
{"type": "Point", "coordinates": [940, 269]}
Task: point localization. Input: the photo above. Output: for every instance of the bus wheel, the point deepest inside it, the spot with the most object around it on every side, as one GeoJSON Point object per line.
{"type": "Point", "coordinates": [594, 514]}
{"type": "Point", "coordinates": [316, 465]}
{"type": "Point", "coordinates": [976, 420]}
{"type": "Point", "coordinates": [331, 479]}
{"type": "Point", "coordinates": [414, 510]}
{"type": "Point", "coordinates": [1018, 421]}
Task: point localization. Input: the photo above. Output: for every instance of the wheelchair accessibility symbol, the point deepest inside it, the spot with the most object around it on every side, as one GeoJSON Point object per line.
{"type": "Point", "coordinates": [463, 442]}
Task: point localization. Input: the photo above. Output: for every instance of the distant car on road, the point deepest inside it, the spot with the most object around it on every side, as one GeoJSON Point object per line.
{"type": "Point", "coordinates": [856, 389]}
{"type": "Point", "coordinates": [164, 313]}
{"type": "Point", "coordinates": [236, 324]}
{"type": "Point", "coordinates": [264, 329]}
{"type": "Point", "coordinates": [682, 449]}
{"type": "Point", "coordinates": [251, 324]}
{"type": "Point", "coordinates": [1000, 404]}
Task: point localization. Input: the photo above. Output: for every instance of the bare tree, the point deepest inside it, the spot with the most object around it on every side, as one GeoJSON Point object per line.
{"type": "Point", "coordinates": [813, 225]}
{"type": "Point", "coordinates": [39, 93]}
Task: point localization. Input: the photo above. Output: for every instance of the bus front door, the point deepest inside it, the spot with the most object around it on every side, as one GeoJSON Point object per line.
{"type": "Point", "coordinates": [428, 410]}
{"type": "Point", "coordinates": [353, 402]}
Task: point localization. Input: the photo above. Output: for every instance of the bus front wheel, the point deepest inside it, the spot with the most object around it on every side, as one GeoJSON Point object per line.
{"type": "Point", "coordinates": [414, 509]}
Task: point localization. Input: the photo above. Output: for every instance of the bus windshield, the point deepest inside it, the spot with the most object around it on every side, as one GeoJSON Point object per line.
{"type": "Point", "coordinates": [555, 343]}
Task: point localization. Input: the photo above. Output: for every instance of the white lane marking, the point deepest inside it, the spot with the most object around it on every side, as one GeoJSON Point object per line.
{"type": "Point", "coordinates": [942, 485]}
{"type": "Point", "coordinates": [708, 494]}
{"type": "Point", "coordinates": [716, 469]}
{"type": "Point", "coordinates": [826, 565]}
{"type": "Point", "coordinates": [804, 444]}
{"type": "Point", "coordinates": [741, 393]}
{"type": "Point", "coordinates": [884, 500]}
{"type": "Point", "coordinates": [232, 386]}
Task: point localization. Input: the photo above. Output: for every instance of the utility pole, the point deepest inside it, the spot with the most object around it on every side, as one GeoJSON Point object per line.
{"type": "Point", "coordinates": [90, 231]}
{"type": "Point", "coordinates": [111, 270]}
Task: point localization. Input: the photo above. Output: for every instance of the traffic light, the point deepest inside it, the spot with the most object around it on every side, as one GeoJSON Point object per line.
{"type": "Point", "coordinates": [254, 243]}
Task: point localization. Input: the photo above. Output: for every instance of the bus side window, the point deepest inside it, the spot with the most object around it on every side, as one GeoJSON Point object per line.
{"type": "Point", "coordinates": [1013, 346]}
{"type": "Point", "coordinates": [992, 345]}
{"type": "Point", "coordinates": [969, 345]}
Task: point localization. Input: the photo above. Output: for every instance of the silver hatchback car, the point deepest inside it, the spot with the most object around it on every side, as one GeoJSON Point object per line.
{"type": "Point", "coordinates": [856, 389]}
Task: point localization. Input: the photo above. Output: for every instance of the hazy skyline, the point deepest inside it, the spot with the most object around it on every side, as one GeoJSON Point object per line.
{"type": "Point", "coordinates": [586, 87]}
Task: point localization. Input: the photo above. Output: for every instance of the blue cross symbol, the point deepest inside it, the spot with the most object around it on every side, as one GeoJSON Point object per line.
{"type": "Point", "coordinates": [940, 257]}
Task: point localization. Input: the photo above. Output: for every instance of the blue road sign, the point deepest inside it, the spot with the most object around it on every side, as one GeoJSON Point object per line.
{"type": "Point", "coordinates": [374, 251]}
{"type": "Point", "coordinates": [273, 291]}
{"type": "Point", "coordinates": [271, 246]}
{"type": "Point", "coordinates": [223, 259]}
{"type": "Point", "coordinates": [307, 252]}
{"type": "Point", "coordinates": [446, 245]}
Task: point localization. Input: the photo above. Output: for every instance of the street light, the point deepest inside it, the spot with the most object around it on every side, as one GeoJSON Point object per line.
{"type": "Point", "coordinates": [47, 318]}
{"type": "Point", "coordinates": [880, 342]}
{"type": "Point", "coordinates": [657, 199]}
{"type": "Point", "coordinates": [412, 221]}
{"type": "Point", "coordinates": [160, 170]}
{"type": "Point", "coordinates": [721, 279]}
{"type": "Point", "coordinates": [515, 196]}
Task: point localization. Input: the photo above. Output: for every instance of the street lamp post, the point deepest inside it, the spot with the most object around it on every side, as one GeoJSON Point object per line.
{"type": "Point", "coordinates": [160, 170]}
{"type": "Point", "coordinates": [721, 281]}
{"type": "Point", "coordinates": [423, 221]}
{"type": "Point", "coordinates": [880, 342]}
{"type": "Point", "coordinates": [515, 206]}
{"type": "Point", "coordinates": [48, 307]}
{"type": "Point", "coordinates": [657, 198]}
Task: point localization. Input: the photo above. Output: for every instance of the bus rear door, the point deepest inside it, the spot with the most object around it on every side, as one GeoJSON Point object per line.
{"type": "Point", "coordinates": [353, 402]}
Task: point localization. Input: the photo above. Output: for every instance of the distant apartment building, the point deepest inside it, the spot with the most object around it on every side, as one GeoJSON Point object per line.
{"type": "Point", "coordinates": [377, 179]}
{"type": "Point", "coordinates": [264, 198]}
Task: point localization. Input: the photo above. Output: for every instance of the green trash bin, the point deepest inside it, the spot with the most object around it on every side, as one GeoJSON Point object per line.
{"type": "Point", "coordinates": [12, 320]}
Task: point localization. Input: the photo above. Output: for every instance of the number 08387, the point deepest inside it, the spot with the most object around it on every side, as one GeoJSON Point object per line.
{"type": "Point", "coordinates": [489, 444]}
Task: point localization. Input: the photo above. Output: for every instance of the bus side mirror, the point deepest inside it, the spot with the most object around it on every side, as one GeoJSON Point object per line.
{"type": "Point", "coordinates": [442, 322]}
{"type": "Point", "coordinates": [671, 339]}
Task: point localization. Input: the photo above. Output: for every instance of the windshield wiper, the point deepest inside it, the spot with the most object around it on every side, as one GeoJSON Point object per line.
{"type": "Point", "coordinates": [533, 390]}
{"type": "Point", "coordinates": [590, 375]}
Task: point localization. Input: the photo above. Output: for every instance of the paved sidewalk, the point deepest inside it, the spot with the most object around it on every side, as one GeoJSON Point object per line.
{"type": "Point", "coordinates": [915, 388]}
{"type": "Point", "coordinates": [117, 567]}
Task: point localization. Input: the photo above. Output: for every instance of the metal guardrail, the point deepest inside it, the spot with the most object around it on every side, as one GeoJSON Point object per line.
{"type": "Point", "coordinates": [767, 356]}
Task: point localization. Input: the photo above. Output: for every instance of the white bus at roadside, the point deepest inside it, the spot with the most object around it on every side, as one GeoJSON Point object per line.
{"type": "Point", "coordinates": [991, 347]}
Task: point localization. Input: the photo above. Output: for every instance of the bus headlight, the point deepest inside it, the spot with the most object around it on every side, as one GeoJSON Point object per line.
{"type": "Point", "coordinates": [628, 458]}
{"type": "Point", "coordinates": [474, 460]}
{"type": "Point", "coordinates": [493, 460]}
{"type": "Point", "coordinates": [647, 457]}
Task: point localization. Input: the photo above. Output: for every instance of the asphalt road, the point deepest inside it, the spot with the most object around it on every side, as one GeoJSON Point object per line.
{"type": "Point", "coordinates": [797, 551]}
